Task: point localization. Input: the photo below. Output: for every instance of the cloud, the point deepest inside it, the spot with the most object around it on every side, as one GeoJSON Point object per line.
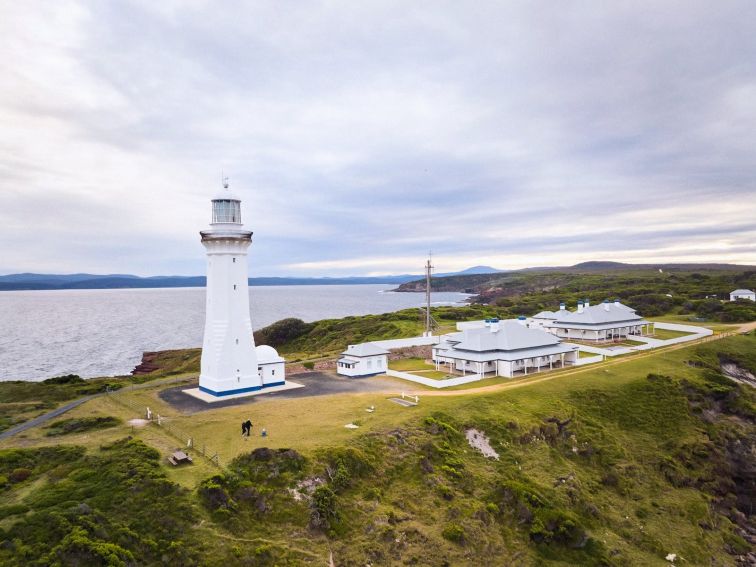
{"type": "Point", "coordinates": [362, 135]}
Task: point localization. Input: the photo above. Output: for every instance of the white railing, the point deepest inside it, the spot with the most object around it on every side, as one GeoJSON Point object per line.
{"type": "Point", "coordinates": [459, 380]}
{"type": "Point", "coordinates": [697, 332]}
{"type": "Point", "coordinates": [589, 360]}
{"type": "Point", "coordinates": [684, 328]}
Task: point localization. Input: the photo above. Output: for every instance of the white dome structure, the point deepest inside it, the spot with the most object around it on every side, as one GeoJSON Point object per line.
{"type": "Point", "coordinates": [271, 367]}
{"type": "Point", "coordinates": [267, 354]}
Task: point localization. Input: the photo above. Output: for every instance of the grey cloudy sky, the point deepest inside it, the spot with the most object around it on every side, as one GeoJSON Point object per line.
{"type": "Point", "coordinates": [362, 134]}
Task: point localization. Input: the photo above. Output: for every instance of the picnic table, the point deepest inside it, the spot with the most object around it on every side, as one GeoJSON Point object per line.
{"type": "Point", "coordinates": [178, 458]}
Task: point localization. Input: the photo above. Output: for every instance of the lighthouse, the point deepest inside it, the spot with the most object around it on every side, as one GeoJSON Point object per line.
{"type": "Point", "coordinates": [230, 362]}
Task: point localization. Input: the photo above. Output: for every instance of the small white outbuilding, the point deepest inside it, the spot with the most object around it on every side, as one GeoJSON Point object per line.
{"type": "Point", "coordinates": [366, 359]}
{"type": "Point", "coordinates": [742, 294]}
{"type": "Point", "coordinates": [270, 366]}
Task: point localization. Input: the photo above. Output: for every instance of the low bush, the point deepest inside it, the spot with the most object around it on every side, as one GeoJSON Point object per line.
{"type": "Point", "coordinates": [80, 424]}
{"type": "Point", "coordinates": [454, 532]}
{"type": "Point", "coordinates": [67, 379]}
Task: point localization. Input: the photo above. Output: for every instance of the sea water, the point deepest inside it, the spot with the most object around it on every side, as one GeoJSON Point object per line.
{"type": "Point", "coordinates": [103, 332]}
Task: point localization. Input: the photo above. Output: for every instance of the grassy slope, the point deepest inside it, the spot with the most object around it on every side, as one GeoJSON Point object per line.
{"type": "Point", "coordinates": [640, 483]}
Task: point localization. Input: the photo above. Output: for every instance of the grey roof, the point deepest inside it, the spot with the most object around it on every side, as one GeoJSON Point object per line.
{"type": "Point", "coordinates": [544, 315]}
{"type": "Point", "coordinates": [602, 313]}
{"type": "Point", "coordinates": [510, 336]}
{"type": "Point", "coordinates": [519, 354]}
{"type": "Point", "coordinates": [741, 292]}
{"type": "Point", "coordinates": [364, 349]}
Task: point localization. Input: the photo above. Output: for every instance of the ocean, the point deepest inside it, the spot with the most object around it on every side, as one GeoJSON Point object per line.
{"type": "Point", "coordinates": [104, 332]}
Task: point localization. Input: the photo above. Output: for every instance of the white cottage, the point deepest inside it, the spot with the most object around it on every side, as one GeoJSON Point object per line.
{"type": "Point", "coordinates": [366, 359]}
{"type": "Point", "coordinates": [604, 322]}
{"type": "Point", "coordinates": [502, 348]}
{"type": "Point", "coordinates": [742, 294]}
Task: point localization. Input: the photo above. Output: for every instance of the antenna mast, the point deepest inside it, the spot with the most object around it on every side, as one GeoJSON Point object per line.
{"type": "Point", "coordinates": [428, 268]}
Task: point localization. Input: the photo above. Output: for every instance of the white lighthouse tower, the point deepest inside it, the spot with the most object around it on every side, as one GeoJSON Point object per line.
{"type": "Point", "coordinates": [230, 362]}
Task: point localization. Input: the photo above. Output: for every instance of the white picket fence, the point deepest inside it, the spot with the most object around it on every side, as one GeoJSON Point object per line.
{"type": "Point", "coordinates": [459, 380]}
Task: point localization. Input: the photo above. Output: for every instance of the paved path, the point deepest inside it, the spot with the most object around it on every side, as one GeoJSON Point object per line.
{"type": "Point", "coordinates": [71, 405]}
{"type": "Point", "coordinates": [316, 384]}
{"type": "Point", "coordinates": [45, 417]}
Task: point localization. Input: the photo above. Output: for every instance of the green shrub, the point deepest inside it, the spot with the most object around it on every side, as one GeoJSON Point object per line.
{"type": "Point", "coordinates": [282, 332]}
{"type": "Point", "coordinates": [454, 532]}
{"type": "Point", "coordinates": [111, 507]}
{"type": "Point", "coordinates": [737, 545]}
{"type": "Point", "coordinates": [438, 426]}
{"type": "Point", "coordinates": [309, 365]}
{"type": "Point", "coordinates": [323, 511]}
{"type": "Point", "coordinates": [269, 466]}
{"type": "Point", "coordinates": [214, 494]}
{"type": "Point", "coordinates": [445, 492]}
{"type": "Point", "coordinates": [13, 510]}
{"type": "Point", "coordinates": [67, 379]}
{"type": "Point", "coordinates": [80, 424]}
{"type": "Point", "coordinates": [356, 462]}
{"type": "Point", "coordinates": [19, 475]}
{"type": "Point", "coordinates": [557, 526]}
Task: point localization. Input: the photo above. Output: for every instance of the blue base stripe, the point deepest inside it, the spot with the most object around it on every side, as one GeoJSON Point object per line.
{"type": "Point", "coordinates": [239, 390]}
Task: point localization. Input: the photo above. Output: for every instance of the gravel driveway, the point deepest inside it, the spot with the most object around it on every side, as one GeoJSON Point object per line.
{"type": "Point", "coordinates": [316, 384]}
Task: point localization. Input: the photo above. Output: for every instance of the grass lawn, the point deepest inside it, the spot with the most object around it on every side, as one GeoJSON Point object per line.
{"type": "Point", "coordinates": [627, 343]}
{"type": "Point", "coordinates": [586, 354]}
{"type": "Point", "coordinates": [686, 320]}
{"type": "Point", "coordinates": [309, 423]}
{"type": "Point", "coordinates": [436, 374]}
{"type": "Point", "coordinates": [410, 364]}
{"type": "Point", "coordinates": [666, 334]}
{"type": "Point", "coordinates": [480, 383]}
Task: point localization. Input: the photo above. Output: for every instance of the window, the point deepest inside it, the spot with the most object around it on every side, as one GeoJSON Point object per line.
{"type": "Point", "coordinates": [226, 210]}
{"type": "Point", "coordinates": [237, 341]}
{"type": "Point", "coordinates": [272, 372]}
{"type": "Point", "coordinates": [233, 260]}
{"type": "Point", "coordinates": [234, 286]}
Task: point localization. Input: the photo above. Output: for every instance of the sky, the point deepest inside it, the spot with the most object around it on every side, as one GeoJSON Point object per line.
{"type": "Point", "coordinates": [361, 135]}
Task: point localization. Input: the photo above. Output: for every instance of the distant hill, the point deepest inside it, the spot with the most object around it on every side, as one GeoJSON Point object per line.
{"type": "Point", "coordinates": [470, 280]}
{"type": "Point", "coordinates": [471, 271]}
{"type": "Point", "coordinates": [16, 282]}
{"type": "Point", "coordinates": [29, 281]}
{"type": "Point", "coordinates": [594, 280]}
